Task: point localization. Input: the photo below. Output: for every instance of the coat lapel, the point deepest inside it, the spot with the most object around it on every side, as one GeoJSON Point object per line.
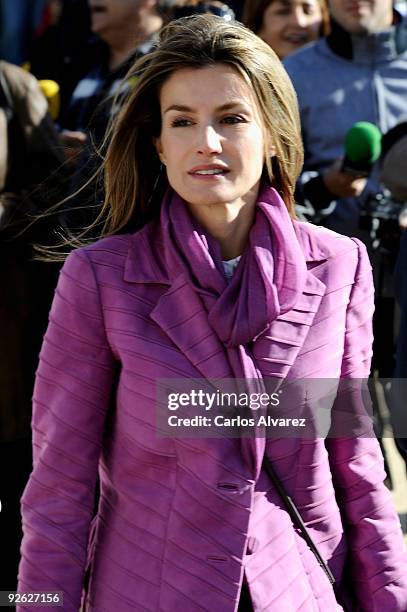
{"type": "Point", "coordinates": [179, 311]}
{"type": "Point", "coordinates": [181, 315]}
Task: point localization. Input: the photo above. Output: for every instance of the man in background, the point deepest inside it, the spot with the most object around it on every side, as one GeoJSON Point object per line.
{"type": "Point", "coordinates": [128, 29]}
{"type": "Point", "coordinates": [357, 73]}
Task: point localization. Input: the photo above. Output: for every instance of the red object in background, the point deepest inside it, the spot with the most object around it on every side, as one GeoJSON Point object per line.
{"type": "Point", "coordinates": [51, 14]}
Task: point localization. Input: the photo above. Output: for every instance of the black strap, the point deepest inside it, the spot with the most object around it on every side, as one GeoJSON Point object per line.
{"type": "Point", "coordinates": [296, 517]}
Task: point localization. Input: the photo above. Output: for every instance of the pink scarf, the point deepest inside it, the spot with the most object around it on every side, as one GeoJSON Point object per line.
{"type": "Point", "coordinates": [267, 282]}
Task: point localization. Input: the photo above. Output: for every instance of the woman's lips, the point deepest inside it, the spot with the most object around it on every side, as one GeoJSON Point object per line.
{"type": "Point", "coordinates": [297, 39]}
{"type": "Point", "coordinates": [208, 171]}
{"type": "Point", "coordinates": [98, 9]}
{"type": "Point", "coordinates": [207, 177]}
{"type": "Point", "coordinates": [208, 167]}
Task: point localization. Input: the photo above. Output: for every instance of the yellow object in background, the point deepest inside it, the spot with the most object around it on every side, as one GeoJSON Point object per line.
{"type": "Point", "coordinates": [132, 81]}
{"type": "Point", "coordinates": [50, 89]}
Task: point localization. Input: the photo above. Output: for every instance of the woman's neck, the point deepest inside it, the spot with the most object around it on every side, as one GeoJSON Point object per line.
{"type": "Point", "coordinates": [124, 43]}
{"type": "Point", "coordinates": [229, 224]}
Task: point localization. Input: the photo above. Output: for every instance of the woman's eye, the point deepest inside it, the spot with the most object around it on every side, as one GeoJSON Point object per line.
{"type": "Point", "coordinates": [283, 11]}
{"type": "Point", "coordinates": [231, 119]}
{"type": "Point", "coordinates": [310, 9]}
{"type": "Point", "coordinates": [181, 122]}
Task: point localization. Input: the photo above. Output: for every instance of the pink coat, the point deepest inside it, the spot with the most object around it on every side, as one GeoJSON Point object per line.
{"type": "Point", "coordinates": [181, 520]}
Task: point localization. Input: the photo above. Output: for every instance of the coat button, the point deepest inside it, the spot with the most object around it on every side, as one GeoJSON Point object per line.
{"type": "Point", "coordinates": [216, 559]}
{"type": "Point", "coordinates": [252, 545]}
{"type": "Point", "coordinates": [228, 486]}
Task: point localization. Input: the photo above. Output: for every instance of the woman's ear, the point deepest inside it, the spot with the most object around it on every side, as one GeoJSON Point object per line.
{"type": "Point", "coordinates": [270, 150]}
{"type": "Point", "coordinates": [158, 147]}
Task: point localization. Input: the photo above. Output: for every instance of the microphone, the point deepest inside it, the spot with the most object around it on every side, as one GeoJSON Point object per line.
{"type": "Point", "coordinates": [363, 147]}
{"type": "Point", "coordinates": [50, 89]}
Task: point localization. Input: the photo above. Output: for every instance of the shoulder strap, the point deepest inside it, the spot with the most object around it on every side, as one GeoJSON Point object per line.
{"type": "Point", "coordinates": [296, 517]}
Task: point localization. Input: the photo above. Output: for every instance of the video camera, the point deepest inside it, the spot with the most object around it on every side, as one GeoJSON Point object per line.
{"type": "Point", "coordinates": [385, 214]}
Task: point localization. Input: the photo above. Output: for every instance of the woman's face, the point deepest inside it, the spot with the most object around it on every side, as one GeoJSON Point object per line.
{"type": "Point", "coordinates": [108, 16]}
{"type": "Point", "coordinates": [289, 24]}
{"type": "Point", "coordinates": [212, 137]}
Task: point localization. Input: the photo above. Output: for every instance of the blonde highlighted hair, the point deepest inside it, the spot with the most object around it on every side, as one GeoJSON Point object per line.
{"type": "Point", "coordinates": [133, 177]}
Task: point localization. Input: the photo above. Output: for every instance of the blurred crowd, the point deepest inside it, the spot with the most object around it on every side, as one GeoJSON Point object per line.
{"type": "Point", "coordinates": [63, 67]}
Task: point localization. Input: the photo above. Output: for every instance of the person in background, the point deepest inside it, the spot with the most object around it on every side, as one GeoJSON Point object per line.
{"type": "Point", "coordinates": [65, 50]}
{"type": "Point", "coordinates": [32, 178]}
{"type": "Point", "coordinates": [393, 163]}
{"type": "Point", "coordinates": [216, 280]}
{"type": "Point", "coordinates": [128, 28]}
{"type": "Point", "coordinates": [394, 177]}
{"type": "Point", "coordinates": [359, 73]}
{"type": "Point", "coordinates": [287, 25]}
{"type": "Point", "coordinates": [398, 387]}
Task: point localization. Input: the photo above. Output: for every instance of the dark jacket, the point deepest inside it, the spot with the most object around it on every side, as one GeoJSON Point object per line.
{"type": "Point", "coordinates": [29, 154]}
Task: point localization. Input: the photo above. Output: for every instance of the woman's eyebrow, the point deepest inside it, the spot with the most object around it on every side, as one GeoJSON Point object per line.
{"type": "Point", "coordinates": [288, 3]}
{"type": "Point", "coordinates": [188, 109]}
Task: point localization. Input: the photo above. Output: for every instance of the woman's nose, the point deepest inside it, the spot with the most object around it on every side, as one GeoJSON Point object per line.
{"type": "Point", "coordinates": [209, 141]}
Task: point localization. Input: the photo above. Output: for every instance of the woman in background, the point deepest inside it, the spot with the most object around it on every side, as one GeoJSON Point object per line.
{"type": "Point", "coordinates": [287, 25]}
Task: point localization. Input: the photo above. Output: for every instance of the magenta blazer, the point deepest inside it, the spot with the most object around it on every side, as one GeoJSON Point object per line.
{"type": "Point", "coordinates": [180, 521]}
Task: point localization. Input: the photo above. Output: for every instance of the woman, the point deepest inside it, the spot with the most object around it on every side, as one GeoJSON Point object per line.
{"type": "Point", "coordinates": [186, 521]}
{"type": "Point", "coordinates": [287, 25]}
